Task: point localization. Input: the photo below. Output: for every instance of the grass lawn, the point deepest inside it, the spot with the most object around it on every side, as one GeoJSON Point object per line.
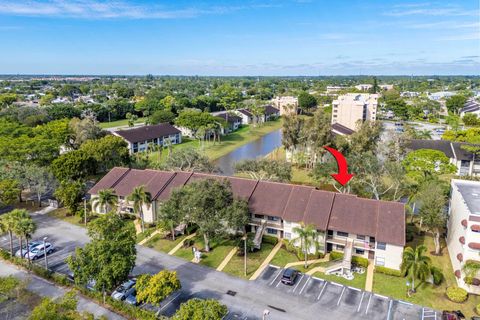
{"type": "Point", "coordinates": [427, 294]}
{"type": "Point", "coordinates": [254, 260]}
{"type": "Point", "coordinates": [159, 243]}
{"type": "Point", "coordinates": [63, 214]}
{"type": "Point", "coordinates": [357, 282]}
{"type": "Point", "coordinates": [283, 257]}
{"type": "Point", "coordinates": [118, 123]}
{"type": "Point", "coordinates": [219, 248]}
{"type": "Point", "coordinates": [228, 143]}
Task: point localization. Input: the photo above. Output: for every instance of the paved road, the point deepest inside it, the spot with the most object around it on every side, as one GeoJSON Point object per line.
{"type": "Point", "coordinates": [47, 289]}
{"type": "Point", "coordinates": [245, 299]}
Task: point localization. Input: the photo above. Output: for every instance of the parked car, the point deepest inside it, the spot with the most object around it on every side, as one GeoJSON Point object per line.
{"type": "Point", "coordinates": [39, 251]}
{"type": "Point", "coordinates": [132, 298]}
{"type": "Point", "coordinates": [452, 315]}
{"type": "Point", "coordinates": [124, 290]}
{"type": "Point", "coordinates": [91, 285]}
{"type": "Point", "coordinates": [23, 252]}
{"type": "Point", "coordinates": [289, 276]}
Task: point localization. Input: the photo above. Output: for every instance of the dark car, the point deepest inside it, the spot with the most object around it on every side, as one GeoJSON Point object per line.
{"type": "Point", "coordinates": [452, 315]}
{"type": "Point", "coordinates": [132, 298]}
{"type": "Point", "coordinates": [289, 276]}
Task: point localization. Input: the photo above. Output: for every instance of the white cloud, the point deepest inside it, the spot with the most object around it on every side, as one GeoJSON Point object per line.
{"type": "Point", "coordinates": [432, 10]}
{"type": "Point", "coordinates": [97, 9]}
{"type": "Point", "coordinates": [445, 25]}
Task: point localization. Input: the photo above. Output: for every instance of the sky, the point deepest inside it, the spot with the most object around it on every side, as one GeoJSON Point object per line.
{"type": "Point", "coordinates": [237, 38]}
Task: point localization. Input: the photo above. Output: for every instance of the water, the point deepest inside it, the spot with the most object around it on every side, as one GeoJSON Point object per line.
{"type": "Point", "coordinates": [258, 148]}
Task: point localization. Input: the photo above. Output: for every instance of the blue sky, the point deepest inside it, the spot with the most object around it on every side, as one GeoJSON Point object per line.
{"type": "Point", "coordinates": [250, 37]}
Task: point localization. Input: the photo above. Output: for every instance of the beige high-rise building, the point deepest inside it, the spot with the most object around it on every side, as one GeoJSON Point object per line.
{"type": "Point", "coordinates": [349, 108]}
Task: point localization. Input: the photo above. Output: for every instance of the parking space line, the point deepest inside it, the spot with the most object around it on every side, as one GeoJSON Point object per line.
{"type": "Point", "coordinates": [380, 296]}
{"type": "Point", "coordinates": [404, 302]}
{"type": "Point", "coordinates": [308, 280]}
{"type": "Point", "coordinates": [361, 300]}
{"type": "Point", "coordinates": [368, 304]}
{"type": "Point", "coordinates": [173, 299]}
{"type": "Point", "coordinates": [352, 288]}
{"type": "Point", "coordinates": [323, 289]}
{"type": "Point", "coordinates": [298, 283]}
{"type": "Point", "coordinates": [275, 279]}
{"type": "Point", "coordinates": [336, 284]}
{"type": "Point", "coordinates": [276, 267]}
{"type": "Point", "coordinates": [341, 295]}
{"type": "Point", "coordinates": [389, 309]}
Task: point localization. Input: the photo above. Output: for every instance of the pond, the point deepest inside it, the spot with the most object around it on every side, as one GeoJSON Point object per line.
{"type": "Point", "coordinates": [258, 148]}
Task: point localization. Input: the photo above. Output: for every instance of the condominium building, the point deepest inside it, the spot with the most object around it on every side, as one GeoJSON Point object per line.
{"type": "Point", "coordinates": [351, 108]}
{"type": "Point", "coordinates": [142, 138]}
{"type": "Point", "coordinates": [463, 230]}
{"type": "Point", "coordinates": [356, 226]}
{"type": "Point", "coordinates": [286, 104]}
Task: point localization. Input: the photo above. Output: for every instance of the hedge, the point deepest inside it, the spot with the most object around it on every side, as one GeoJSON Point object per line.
{"type": "Point", "coordinates": [290, 247]}
{"type": "Point", "coordinates": [335, 255]}
{"type": "Point", "coordinates": [360, 261]}
{"type": "Point", "coordinates": [270, 240]}
{"type": "Point", "coordinates": [477, 309]}
{"type": "Point", "coordinates": [457, 294]}
{"type": "Point", "coordinates": [389, 272]}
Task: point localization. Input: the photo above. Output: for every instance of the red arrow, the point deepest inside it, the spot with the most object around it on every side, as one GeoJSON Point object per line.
{"type": "Point", "coordinates": [342, 176]}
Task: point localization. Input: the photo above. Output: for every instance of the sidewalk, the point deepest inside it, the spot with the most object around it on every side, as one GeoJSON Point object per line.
{"type": "Point", "coordinates": [46, 288]}
{"type": "Point", "coordinates": [227, 259]}
{"type": "Point", "coordinates": [369, 280]}
{"type": "Point", "coordinates": [178, 246]}
{"type": "Point", "coordinates": [267, 260]}
{"type": "Point", "coordinates": [309, 262]}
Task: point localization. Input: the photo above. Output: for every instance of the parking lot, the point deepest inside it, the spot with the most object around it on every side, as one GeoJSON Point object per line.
{"type": "Point", "coordinates": [343, 301]}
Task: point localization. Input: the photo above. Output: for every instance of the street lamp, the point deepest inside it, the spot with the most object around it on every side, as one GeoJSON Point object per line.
{"type": "Point", "coordinates": [245, 255]}
{"type": "Point", "coordinates": [85, 209]}
{"type": "Point", "coordinates": [45, 252]}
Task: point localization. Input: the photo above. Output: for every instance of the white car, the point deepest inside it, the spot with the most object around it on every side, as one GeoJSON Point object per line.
{"type": "Point", "coordinates": [124, 290]}
{"type": "Point", "coordinates": [39, 251]}
{"type": "Point", "coordinates": [22, 253]}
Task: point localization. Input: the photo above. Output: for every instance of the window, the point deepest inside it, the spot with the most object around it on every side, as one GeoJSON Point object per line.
{"type": "Point", "coordinates": [271, 231]}
{"type": "Point", "coordinates": [380, 261]}
{"type": "Point", "coordinates": [359, 251]}
{"type": "Point", "coordinates": [287, 235]}
{"type": "Point", "coordinates": [330, 232]}
{"type": "Point", "coordinates": [259, 216]}
{"type": "Point", "coordinates": [381, 245]}
{"type": "Point", "coordinates": [339, 247]}
{"type": "Point", "coordinates": [273, 218]}
{"type": "Point", "coordinates": [360, 237]}
{"type": "Point", "coordinates": [342, 234]}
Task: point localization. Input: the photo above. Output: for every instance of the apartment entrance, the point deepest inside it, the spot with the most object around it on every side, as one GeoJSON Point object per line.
{"type": "Point", "coordinates": [371, 255]}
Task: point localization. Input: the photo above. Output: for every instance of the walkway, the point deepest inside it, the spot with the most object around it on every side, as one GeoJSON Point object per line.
{"type": "Point", "coordinates": [46, 288]}
{"type": "Point", "coordinates": [309, 262]}
{"type": "Point", "coordinates": [180, 244]}
{"type": "Point", "coordinates": [266, 262]}
{"type": "Point", "coordinates": [227, 259]}
{"type": "Point", "coordinates": [154, 233]}
{"type": "Point", "coordinates": [369, 281]}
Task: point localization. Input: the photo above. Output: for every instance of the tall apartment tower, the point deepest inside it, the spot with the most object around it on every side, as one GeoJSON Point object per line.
{"type": "Point", "coordinates": [351, 107]}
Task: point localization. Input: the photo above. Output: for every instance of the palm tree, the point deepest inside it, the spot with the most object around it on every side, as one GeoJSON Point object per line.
{"type": "Point", "coordinates": [107, 200]}
{"type": "Point", "coordinates": [306, 234]}
{"type": "Point", "coordinates": [26, 227]}
{"type": "Point", "coordinates": [416, 264]}
{"type": "Point", "coordinates": [140, 197]}
{"type": "Point", "coordinates": [7, 224]}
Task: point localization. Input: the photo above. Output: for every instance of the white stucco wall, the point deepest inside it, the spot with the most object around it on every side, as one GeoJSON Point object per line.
{"type": "Point", "coordinates": [392, 256]}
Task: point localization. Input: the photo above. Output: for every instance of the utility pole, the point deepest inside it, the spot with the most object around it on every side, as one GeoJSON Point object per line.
{"type": "Point", "coordinates": [245, 255]}
{"type": "Point", "coordinates": [85, 209]}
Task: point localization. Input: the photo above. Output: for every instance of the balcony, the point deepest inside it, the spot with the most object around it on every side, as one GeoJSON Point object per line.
{"type": "Point", "coordinates": [356, 243]}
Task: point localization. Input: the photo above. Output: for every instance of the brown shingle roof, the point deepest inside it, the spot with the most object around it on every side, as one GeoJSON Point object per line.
{"type": "Point", "coordinates": [326, 210]}
{"type": "Point", "coordinates": [147, 132]}
{"type": "Point", "coordinates": [270, 110]}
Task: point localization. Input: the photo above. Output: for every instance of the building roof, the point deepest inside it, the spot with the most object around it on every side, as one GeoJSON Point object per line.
{"type": "Point", "coordinates": [452, 150]}
{"type": "Point", "coordinates": [231, 117]}
{"type": "Point", "coordinates": [470, 192]}
{"type": "Point", "coordinates": [341, 129]}
{"type": "Point", "coordinates": [147, 132]}
{"type": "Point", "coordinates": [245, 112]}
{"type": "Point", "coordinates": [470, 106]}
{"type": "Point", "coordinates": [326, 210]}
{"type": "Point", "coordinates": [271, 110]}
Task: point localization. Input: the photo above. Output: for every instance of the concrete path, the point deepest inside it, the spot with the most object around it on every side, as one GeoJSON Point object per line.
{"type": "Point", "coordinates": [227, 259]}
{"type": "Point", "coordinates": [369, 280]}
{"type": "Point", "coordinates": [309, 262]}
{"type": "Point", "coordinates": [178, 246]}
{"type": "Point", "coordinates": [267, 260]}
{"type": "Point", "coordinates": [154, 233]}
{"type": "Point", "coordinates": [138, 226]}
{"type": "Point", "coordinates": [46, 288]}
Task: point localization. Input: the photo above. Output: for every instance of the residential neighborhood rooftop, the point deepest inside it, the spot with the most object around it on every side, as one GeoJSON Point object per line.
{"type": "Point", "coordinates": [450, 149]}
{"type": "Point", "coordinates": [149, 132]}
{"type": "Point", "coordinates": [327, 210]}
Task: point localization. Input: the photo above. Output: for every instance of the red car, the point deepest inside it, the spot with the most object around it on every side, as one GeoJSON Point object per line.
{"type": "Point", "coordinates": [452, 315]}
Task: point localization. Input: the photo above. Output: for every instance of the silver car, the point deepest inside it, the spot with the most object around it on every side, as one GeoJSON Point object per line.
{"type": "Point", "coordinates": [22, 253]}
{"type": "Point", "coordinates": [124, 290]}
{"type": "Point", "coordinates": [40, 250]}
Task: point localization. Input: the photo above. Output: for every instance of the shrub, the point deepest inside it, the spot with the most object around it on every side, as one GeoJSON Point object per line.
{"type": "Point", "coordinates": [270, 240]}
{"type": "Point", "coordinates": [335, 255]}
{"type": "Point", "coordinates": [188, 243]}
{"type": "Point", "coordinates": [191, 229]}
{"type": "Point", "coordinates": [389, 272]}
{"type": "Point", "coordinates": [5, 255]}
{"type": "Point", "coordinates": [457, 294]}
{"type": "Point", "coordinates": [410, 234]}
{"type": "Point", "coordinates": [360, 261]}
{"type": "Point", "coordinates": [437, 275]}
{"type": "Point", "coordinates": [477, 309]}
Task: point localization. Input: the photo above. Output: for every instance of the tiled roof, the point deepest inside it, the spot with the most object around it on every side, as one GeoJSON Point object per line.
{"type": "Point", "coordinates": [144, 133]}
{"type": "Point", "coordinates": [326, 210]}
{"type": "Point", "coordinates": [341, 129]}
{"type": "Point", "coordinates": [231, 117]}
{"type": "Point", "coordinates": [245, 112]}
{"type": "Point", "coordinates": [271, 110]}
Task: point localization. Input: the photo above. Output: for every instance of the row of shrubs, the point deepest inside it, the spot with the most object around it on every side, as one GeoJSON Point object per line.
{"type": "Point", "coordinates": [389, 272]}
{"type": "Point", "coordinates": [290, 247]}
{"type": "Point", "coordinates": [128, 311]}
{"type": "Point", "coordinates": [359, 261]}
